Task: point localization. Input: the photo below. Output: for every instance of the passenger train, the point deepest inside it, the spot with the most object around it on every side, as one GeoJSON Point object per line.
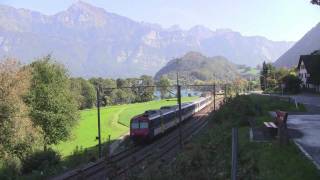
{"type": "Point", "coordinates": [152, 123]}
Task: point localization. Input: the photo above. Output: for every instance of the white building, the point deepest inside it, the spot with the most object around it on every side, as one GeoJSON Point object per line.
{"type": "Point", "coordinates": [309, 72]}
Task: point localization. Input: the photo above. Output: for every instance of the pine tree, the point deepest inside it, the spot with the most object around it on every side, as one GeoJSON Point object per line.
{"type": "Point", "coordinates": [264, 76]}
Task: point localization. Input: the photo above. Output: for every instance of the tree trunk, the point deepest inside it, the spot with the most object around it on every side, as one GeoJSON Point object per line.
{"type": "Point", "coordinates": [45, 148]}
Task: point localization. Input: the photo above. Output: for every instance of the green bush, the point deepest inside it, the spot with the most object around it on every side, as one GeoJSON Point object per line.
{"type": "Point", "coordinates": [292, 83]}
{"type": "Point", "coordinates": [10, 168]}
{"type": "Point", "coordinates": [240, 108]}
{"type": "Point", "coordinates": [81, 155]}
{"type": "Point", "coordinates": [40, 160]}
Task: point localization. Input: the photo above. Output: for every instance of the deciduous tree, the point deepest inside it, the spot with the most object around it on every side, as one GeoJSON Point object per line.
{"type": "Point", "coordinates": [53, 106]}
{"type": "Point", "coordinates": [104, 84]}
{"type": "Point", "coordinates": [144, 94]}
{"type": "Point", "coordinates": [292, 83]}
{"type": "Point", "coordinates": [164, 84]}
{"type": "Point", "coordinates": [84, 91]}
{"type": "Point", "coordinates": [316, 2]}
{"type": "Point", "coordinates": [17, 133]}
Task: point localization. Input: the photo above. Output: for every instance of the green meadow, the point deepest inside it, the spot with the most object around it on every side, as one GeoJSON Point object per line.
{"type": "Point", "coordinates": [114, 122]}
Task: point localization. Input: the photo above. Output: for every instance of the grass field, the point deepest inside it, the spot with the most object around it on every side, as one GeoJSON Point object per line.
{"type": "Point", "coordinates": [114, 121]}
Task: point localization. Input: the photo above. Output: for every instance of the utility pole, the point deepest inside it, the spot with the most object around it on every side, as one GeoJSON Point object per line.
{"type": "Point", "coordinates": [179, 104]}
{"type": "Point", "coordinates": [214, 91]}
{"type": "Point", "coordinates": [177, 72]}
{"type": "Point", "coordinates": [99, 128]}
{"type": "Point", "coordinates": [250, 83]}
{"type": "Point", "coordinates": [225, 93]}
{"type": "Point", "coordinates": [214, 97]}
{"type": "Point", "coordinates": [180, 116]}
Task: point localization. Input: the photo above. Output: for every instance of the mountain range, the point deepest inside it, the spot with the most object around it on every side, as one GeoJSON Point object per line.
{"type": "Point", "coordinates": [90, 41]}
{"type": "Point", "coordinates": [309, 43]}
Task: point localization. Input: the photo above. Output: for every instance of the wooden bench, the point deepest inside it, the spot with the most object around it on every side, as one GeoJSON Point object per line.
{"type": "Point", "coordinates": [279, 126]}
{"type": "Point", "coordinates": [270, 125]}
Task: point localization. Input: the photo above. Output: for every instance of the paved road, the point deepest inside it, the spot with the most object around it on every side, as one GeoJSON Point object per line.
{"type": "Point", "coordinates": [305, 128]}
{"type": "Point", "coordinates": [311, 102]}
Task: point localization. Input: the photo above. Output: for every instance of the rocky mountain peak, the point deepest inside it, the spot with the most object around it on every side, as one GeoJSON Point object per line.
{"type": "Point", "coordinates": [174, 27]}
{"type": "Point", "coordinates": [200, 28]}
{"type": "Point", "coordinates": [192, 55]}
{"type": "Point", "coordinates": [201, 31]}
{"type": "Point", "coordinates": [83, 13]}
{"type": "Point", "coordinates": [226, 32]}
{"type": "Point", "coordinates": [82, 6]}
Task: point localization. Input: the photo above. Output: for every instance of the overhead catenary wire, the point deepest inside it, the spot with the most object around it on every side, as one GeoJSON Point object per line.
{"type": "Point", "coordinates": [153, 86]}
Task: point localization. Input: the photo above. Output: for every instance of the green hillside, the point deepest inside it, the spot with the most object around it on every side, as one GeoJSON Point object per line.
{"type": "Point", "coordinates": [247, 71]}
{"type": "Point", "coordinates": [114, 121]}
{"type": "Point", "coordinates": [194, 66]}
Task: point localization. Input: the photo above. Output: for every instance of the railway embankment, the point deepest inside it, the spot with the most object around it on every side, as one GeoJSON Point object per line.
{"type": "Point", "coordinates": [208, 155]}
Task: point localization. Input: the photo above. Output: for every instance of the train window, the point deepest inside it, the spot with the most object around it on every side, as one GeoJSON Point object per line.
{"type": "Point", "coordinates": [135, 125]}
{"type": "Point", "coordinates": [143, 125]}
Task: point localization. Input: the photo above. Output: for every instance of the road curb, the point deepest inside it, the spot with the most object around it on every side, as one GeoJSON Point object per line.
{"type": "Point", "coordinates": [307, 154]}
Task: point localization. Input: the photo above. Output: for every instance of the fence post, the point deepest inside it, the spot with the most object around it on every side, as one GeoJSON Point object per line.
{"type": "Point", "coordinates": [234, 160]}
{"type": "Point", "coordinates": [296, 103]}
{"type": "Point", "coordinates": [109, 146]}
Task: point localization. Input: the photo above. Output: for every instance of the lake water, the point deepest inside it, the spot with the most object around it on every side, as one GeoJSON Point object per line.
{"type": "Point", "coordinates": [184, 93]}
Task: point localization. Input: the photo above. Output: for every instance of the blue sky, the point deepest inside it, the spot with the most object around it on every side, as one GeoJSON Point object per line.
{"type": "Point", "coordinates": [275, 19]}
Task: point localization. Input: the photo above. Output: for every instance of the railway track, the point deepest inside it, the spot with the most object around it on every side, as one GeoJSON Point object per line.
{"type": "Point", "coordinates": [163, 148]}
{"type": "Point", "coordinates": [118, 165]}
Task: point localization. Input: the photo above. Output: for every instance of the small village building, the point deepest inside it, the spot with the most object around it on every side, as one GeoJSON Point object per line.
{"type": "Point", "coordinates": [309, 72]}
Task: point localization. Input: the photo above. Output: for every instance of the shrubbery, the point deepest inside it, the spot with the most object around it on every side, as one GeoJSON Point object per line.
{"type": "Point", "coordinates": [40, 161]}
{"type": "Point", "coordinates": [292, 83]}
{"type": "Point", "coordinates": [10, 168]}
{"type": "Point", "coordinates": [238, 108]}
{"type": "Point", "coordinates": [80, 155]}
